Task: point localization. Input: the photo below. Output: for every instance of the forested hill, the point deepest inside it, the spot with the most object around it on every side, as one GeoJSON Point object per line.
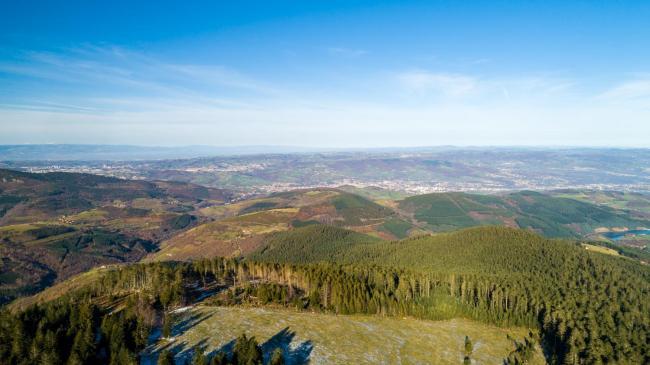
{"type": "Point", "coordinates": [309, 244]}
{"type": "Point", "coordinates": [545, 214]}
{"type": "Point", "coordinates": [589, 308]}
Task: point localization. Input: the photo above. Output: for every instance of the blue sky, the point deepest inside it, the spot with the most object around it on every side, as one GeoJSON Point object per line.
{"type": "Point", "coordinates": [326, 74]}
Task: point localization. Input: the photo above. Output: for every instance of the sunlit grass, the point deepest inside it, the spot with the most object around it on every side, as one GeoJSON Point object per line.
{"type": "Point", "coordinates": [353, 339]}
{"type": "Point", "coordinates": [600, 249]}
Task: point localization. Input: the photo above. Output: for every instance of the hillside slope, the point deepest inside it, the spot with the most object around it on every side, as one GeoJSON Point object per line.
{"type": "Point", "coordinates": [637, 203]}
{"type": "Point", "coordinates": [518, 272]}
{"type": "Point", "coordinates": [309, 244]}
{"type": "Point", "coordinates": [545, 214]}
{"type": "Point", "coordinates": [55, 225]}
{"type": "Point", "coordinates": [27, 197]}
{"type": "Point", "coordinates": [243, 227]}
{"type": "Point", "coordinates": [588, 307]}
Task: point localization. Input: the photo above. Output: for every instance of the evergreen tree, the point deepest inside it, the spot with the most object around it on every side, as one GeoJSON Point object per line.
{"type": "Point", "coordinates": [166, 358]}
{"type": "Point", "coordinates": [247, 351]}
{"type": "Point", "coordinates": [277, 358]}
{"type": "Point", "coordinates": [469, 348]}
{"type": "Point", "coordinates": [199, 357]}
{"type": "Point", "coordinates": [219, 359]}
{"type": "Point", "coordinates": [167, 326]}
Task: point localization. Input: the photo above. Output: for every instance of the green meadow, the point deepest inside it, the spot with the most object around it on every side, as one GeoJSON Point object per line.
{"type": "Point", "coordinates": [318, 338]}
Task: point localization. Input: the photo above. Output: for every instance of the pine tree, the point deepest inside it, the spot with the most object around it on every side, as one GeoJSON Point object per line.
{"type": "Point", "coordinates": [167, 326]}
{"type": "Point", "coordinates": [199, 357]}
{"type": "Point", "coordinates": [219, 359]}
{"type": "Point", "coordinates": [166, 358]}
{"type": "Point", "coordinates": [247, 351]}
{"type": "Point", "coordinates": [277, 358]}
{"type": "Point", "coordinates": [469, 348]}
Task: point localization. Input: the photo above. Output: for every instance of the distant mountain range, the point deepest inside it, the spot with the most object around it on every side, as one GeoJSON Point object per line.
{"type": "Point", "coordinates": [98, 152]}
{"type": "Point", "coordinates": [83, 152]}
{"type": "Point", "coordinates": [411, 171]}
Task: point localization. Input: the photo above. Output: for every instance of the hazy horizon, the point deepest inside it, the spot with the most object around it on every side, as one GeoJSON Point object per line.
{"type": "Point", "coordinates": [341, 148]}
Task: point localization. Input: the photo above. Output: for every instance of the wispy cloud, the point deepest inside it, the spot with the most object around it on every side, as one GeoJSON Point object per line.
{"type": "Point", "coordinates": [133, 74]}
{"type": "Point", "coordinates": [442, 86]}
{"type": "Point", "coordinates": [630, 90]}
{"type": "Point", "coordinates": [447, 84]}
{"type": "Point", "coordinates": [115, 95]}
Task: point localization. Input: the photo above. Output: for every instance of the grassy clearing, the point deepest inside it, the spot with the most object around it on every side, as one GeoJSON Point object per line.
{"type": "Point", "coordinates": [148, 203]}
{"type": "Point", "coordinates": [272, 216]}
{"type": "Point", "coordinates": [600, 249]}
{"type": "Point", "coordinates": [614, 199]}
{"type": "Point", "coordinates": [35, 234]}
{"type": "Point", "coordinates": [51, 239]}
{"type": "Point", "coordinates": [330, 339]}
{"type": "Point", "coordinates": [18, 228]}
{"type": "Point", "coordinates": [399, 228]}
{"type": "Point", "coordinates": [222, 238]}
{"type": "Point", "coordinates": [218, 211]}
{"type": "Point", "coordinates": [375, 193]}
{"type": "Point", "coordinates": [89, 216]}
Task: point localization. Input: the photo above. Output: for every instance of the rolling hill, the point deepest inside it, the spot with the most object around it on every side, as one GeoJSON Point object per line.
{"type": "Point", "coordinates": [586, 307]}
{"type": "Point", "coordinates": [638, 204]}
{"type": "Point", "coordinates": [55, 225]}
{"type": "Point", "coordinates": [242, 227]}
{"type": "Point", "coordinates": [542, 213]}
{"type": "Point", "coordinates": [245, 226]}
{"type": "Point", "coordinates": [27, 197]}
{"type": "Point", "coordinates": [309, 244]}
{"type": "Point", "coordinates": [579, 280]}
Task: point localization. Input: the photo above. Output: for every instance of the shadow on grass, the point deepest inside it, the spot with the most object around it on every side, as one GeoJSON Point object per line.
{"type": "Point", "coordinates": [188, 322]}
{"type": "Point", "coordinates": [297, 355]}
{"type": "Point", "coordinates": [294, 353]}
